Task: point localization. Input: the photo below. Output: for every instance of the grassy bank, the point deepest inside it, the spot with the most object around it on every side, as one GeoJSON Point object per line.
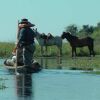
{"type": "Point", "coordinates": [6, 49]}
{"type": "Point", "coordinates": [79, 62]}
{"type": "Point", "coordinates": [83, 63]}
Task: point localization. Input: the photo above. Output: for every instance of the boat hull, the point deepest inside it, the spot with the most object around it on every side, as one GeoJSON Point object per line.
{"type": "Point", "coordinates": [21, 69]}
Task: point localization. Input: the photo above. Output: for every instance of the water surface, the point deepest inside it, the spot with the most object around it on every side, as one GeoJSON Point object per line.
{"type": "Point", "coordinates": [51, 84]}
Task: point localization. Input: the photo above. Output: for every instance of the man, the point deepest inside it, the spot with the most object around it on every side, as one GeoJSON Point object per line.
{"type": "Point", "coordinates": [26, 43]}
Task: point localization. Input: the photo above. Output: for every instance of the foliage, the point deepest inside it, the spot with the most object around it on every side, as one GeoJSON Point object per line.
{"type": "Point", "coordinates": [88, 30]}
{"type": "Point", "coordinates": [72, 28]}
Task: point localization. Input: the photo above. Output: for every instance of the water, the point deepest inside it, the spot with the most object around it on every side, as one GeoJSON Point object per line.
{"type": "Point", "coordinates": [51, 84]}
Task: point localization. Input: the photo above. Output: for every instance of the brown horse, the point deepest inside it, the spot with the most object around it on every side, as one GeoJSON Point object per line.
{"type": "Point", "coordinates": [76, 42]}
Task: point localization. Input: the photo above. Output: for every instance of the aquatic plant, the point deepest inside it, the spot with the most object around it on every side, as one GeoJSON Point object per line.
{"type": "Point", "coordinates": [2, 83]}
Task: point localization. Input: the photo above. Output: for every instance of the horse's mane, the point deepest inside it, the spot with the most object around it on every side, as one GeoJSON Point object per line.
{"type": "Point", "coordinates": [75, 37]}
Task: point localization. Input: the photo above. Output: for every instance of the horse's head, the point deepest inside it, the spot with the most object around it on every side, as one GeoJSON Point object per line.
{"type": "Point", "coordinates": [65, 34]}
{"type": "Point", "coordinates": [43, 36]}
{"type": "Point", "coordinates": [37, 34]}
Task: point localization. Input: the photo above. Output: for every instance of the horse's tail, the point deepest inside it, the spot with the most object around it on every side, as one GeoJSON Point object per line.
{"type": "Point", "coordinates": [91, 44]}
{"type": "Point", "coordinates": [90, 41]}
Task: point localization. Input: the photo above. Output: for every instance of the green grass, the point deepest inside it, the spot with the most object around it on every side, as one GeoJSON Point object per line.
{"type": "Point", "coordinates": [6, 48]}
{"type": "Point", "coordinates": [83, 63]}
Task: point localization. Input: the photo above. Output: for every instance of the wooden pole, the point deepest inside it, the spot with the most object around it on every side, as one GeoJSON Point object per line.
{"type": "Point", "coordinates": [17, 48]}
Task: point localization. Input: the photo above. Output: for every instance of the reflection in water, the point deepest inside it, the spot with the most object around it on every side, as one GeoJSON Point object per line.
{"type": "Point", "coordinates": [59, 62]}
{"type": "Point", "coordinates": [24, 87]}
{"type": "Point", "coordinates": [53, 85]}
{"type": "Point", "coordinates": [46, 62]}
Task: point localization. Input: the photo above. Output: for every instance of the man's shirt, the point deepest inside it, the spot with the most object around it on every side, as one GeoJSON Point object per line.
{"type": "Point", "coordinates": [26, 36]}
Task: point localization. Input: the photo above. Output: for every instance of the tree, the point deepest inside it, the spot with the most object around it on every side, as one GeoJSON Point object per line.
{"type": "Point", "coordinates": [88, 30]}
{"type": "Point", "coordinates": [98, 25]}
{"type": "Point", "coordinates": [72, 28]}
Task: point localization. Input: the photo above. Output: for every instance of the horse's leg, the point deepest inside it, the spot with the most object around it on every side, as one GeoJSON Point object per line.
{"type": "Point", "coordinates": [92, 47]}
{"type": "Point", "coordinates": [93, 53]}
{"type": "Point", "coordinates": [46, 49]}
{"type": "Point", "coordinates": [60, 51]}
{"type": "Point", "coordinates": [89, 47]}
{"type": "Point", "coordinates": [41, 50]}
{"type": "Point", "coordinates": [73, 51]}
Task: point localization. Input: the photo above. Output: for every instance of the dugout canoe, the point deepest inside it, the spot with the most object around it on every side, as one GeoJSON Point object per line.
{"type": "Point", "coordinates": [20, 69]}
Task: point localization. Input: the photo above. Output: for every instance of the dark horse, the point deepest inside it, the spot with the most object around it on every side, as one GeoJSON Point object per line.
{"type": "Point", "coordinates": [76, 42]}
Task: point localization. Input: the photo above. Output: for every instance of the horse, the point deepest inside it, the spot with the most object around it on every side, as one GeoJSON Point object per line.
{"type": "Point", "coordinates": [57, 40]}
{"type": "Point", "coordinates": [76, 42]}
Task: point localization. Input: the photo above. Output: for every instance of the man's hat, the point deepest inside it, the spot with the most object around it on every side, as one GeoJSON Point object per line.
{"type": "Point", "coordinates": [25, 21]}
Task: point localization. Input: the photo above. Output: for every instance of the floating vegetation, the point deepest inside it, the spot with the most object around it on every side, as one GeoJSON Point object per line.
{"type": "Point", "coordinates": [2, 86]}
{"type": "Point", "coordinates": [93, 72]}
{"type": "Point", "coordinates": [2, 83]}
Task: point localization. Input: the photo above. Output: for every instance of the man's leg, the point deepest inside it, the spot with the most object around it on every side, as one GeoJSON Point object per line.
{"type": "Point", "coordinates": [28, 52]}
{"type": "Point", "coordinates": [20, 56]}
